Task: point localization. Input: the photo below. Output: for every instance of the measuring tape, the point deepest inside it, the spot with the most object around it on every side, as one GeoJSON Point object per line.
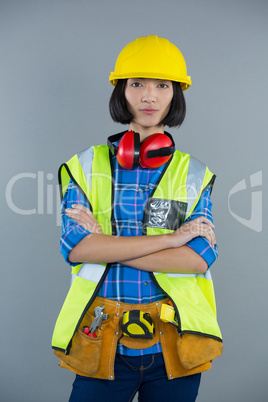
{"type": "Point", "coordinates": [168, 314]}
{"type": "Point", "coordinates": [137, 324]}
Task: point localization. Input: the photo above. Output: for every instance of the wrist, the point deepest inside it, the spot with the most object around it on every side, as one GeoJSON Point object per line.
{"type": "Point", "coordinates": [169, 240]}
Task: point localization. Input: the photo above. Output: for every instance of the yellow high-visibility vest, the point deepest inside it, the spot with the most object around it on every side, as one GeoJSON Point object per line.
{"type": "Point", "coordinates": [172, 201]}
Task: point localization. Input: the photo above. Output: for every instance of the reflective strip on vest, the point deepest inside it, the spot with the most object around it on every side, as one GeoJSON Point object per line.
{"type": "Point", "coordinates": [73, 170]}
{"type": "Point", "coordinates": [194, 182]}
{"type": "Point", "coordinates": [102, 187]}
{"type": "Point", "coordinates": [91, 272]}
{"type": "Point", "coordinates": [86, 160]}
{"type": "Point", "coordinates": [206, 275]}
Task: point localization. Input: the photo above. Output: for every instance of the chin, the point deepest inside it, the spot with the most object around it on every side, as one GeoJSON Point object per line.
{"type": "Point", "coordinates": [149, 123]}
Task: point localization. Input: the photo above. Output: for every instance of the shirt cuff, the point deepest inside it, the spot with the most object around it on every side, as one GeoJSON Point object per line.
{"type": "Point", "coordinates": [202, 247]}
{"type": "Point", "coordinates": [72, 235]}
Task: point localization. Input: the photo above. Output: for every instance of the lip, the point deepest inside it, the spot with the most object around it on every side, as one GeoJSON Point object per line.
{"type": "Point", "coordinates": [148, 110]}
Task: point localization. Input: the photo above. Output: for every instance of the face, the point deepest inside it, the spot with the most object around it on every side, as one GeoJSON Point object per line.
{"type": "Point", "coordinates": [148, 100]}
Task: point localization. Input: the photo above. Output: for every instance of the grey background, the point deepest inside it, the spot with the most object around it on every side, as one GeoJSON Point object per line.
{"type": "Point", "coordinates": [56, 57]}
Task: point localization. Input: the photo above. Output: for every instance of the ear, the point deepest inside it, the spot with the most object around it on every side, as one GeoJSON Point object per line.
{"type": "Point", "coordinates": [128, 151]}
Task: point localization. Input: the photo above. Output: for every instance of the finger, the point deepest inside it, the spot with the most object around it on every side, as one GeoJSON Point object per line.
{"type": "Point", "coordinates": [81, 208]}
{"type": "Point", "coordinates": [76, 216]}
{"type": "Point", "coordinates": [200, 227]}
{"type": "Point", "coordinates": [207, 237]}
{"type": "Point", "coordinates": [81, 217]}
{"type": "Point", "coordinates": [77, 212]}
{"type": "Point", "coordinates": [72, 212]}
{"type": "Point", "coordinates": [210, 236]}
{"type": "Point", "coordinates": [214, 240]}
{"type": "Point", "coordinates": [203, 219]}
{"type": "Point", "coordinates": [83, 220]}
{"type": "Point", "coordinates": [78, 206]}
{"type": "Point", "coordinates": [82, 223]}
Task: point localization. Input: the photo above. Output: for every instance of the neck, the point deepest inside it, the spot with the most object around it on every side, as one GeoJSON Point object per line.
{"type": "Point", "coordinates": [146, 131]}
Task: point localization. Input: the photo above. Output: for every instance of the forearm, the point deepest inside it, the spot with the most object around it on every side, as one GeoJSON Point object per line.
{"type": "Point", "coordinates": [100, 248]}
{"type": "Point", "coordinates": [181, 260]}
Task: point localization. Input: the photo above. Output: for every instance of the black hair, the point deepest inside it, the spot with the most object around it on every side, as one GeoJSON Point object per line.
{"type": "Point", "coordinates": [120, 113]}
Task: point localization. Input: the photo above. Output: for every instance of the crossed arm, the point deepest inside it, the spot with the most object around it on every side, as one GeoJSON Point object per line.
{"type": "Point", "coordinates": [162, 253]}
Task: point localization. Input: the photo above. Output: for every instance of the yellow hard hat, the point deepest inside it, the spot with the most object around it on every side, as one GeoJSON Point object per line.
{"type": "Point", "coordinates": [151, 57]}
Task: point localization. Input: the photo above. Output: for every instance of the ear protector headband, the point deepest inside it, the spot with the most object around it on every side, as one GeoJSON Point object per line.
{"type": "Point", "coordinates": [153, 152]}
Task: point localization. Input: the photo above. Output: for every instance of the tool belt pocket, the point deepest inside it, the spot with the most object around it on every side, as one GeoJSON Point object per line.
{"type": "Point", "coordinates": [85, 353]}
{"type": "Point", "coordinates": [194, 350]}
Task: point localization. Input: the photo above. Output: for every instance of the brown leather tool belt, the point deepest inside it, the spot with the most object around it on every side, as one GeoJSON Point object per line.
{"type": "Point", "coordinates": [94, 357]}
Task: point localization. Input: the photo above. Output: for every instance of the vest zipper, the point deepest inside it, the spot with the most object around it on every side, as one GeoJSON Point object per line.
{"type": "Point", "coordinates": [144, 232]}
{"type": "Point", "coordinates": [144, 227]}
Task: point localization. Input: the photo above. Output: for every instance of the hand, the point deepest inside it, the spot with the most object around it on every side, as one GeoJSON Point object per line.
{"type": "Point", "coordinates": [84, 217]}
{"type": "Point", "coordinates": [197, 227]}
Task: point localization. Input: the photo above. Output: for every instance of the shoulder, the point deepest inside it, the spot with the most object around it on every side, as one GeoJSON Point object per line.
{"type": "Point", "coordinates": [89, 153]}
{"type": "Point", "coordinates": [187, 159]}
{"type": "Point", "coordinates": [197, 172]}
{"type": "Point", "coordinates": [94, 158]}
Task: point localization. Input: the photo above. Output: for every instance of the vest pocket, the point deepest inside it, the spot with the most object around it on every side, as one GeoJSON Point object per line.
{"type": "Point", "coordinates": [164, 213]}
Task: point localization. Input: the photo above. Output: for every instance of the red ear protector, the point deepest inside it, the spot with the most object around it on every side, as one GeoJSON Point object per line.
{"type": "Point", "coordinates": [153, 152]}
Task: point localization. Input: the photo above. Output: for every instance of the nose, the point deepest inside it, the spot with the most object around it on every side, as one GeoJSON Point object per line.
{"type": "Point", "coordinates": [148, 94]}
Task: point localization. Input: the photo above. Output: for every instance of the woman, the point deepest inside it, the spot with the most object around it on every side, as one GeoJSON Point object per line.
{"type": "Point", "coordinates": [138, 231]}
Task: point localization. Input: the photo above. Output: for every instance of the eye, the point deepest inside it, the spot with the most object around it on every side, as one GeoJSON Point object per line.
{"type": "Point", "coordinates": [162, 85]}
{"type": "Point", "coordinates": [135, 84]}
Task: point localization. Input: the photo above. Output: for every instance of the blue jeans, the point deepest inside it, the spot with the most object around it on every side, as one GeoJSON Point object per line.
{"type": "Point", "coordinates": [143, 374]}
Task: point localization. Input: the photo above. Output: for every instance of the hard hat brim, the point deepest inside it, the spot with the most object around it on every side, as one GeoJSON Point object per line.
{"type": "Point", "coordinates": [185, 82]}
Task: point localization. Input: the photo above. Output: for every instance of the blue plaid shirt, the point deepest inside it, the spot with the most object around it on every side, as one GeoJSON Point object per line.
{"type": "Point", "coordinates": [131, 191]}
